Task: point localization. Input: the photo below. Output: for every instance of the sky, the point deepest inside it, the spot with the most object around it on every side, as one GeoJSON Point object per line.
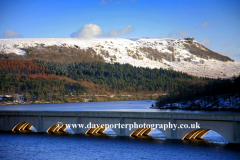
{"type": "Point", "coordinates": [214, 23]}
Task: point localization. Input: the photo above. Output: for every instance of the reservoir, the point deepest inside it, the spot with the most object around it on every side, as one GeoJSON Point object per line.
{"type": "Point", "coordinates": [109, 146]}
{"type": "Point", "coordinates": [128, 106]}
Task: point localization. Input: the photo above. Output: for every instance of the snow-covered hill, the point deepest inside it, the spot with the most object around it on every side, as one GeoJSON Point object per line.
{"type": "Point", "coordinates": [184, 55]}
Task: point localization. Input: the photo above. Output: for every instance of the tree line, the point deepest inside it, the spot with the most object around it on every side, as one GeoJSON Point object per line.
{"type": "Point", "coordinates": [41, 78]}
{"type": "Point", "coordinates": [38, 89]}
{"type": "Point", "coordinates": [211, 93]}
{"type": "Point", "coordinates": [16, 66]}
{"type": "Point", "coordinates": [124, 76]}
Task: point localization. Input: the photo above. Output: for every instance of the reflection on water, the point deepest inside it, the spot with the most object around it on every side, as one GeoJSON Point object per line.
{"type": "Point", "coordinates": [110, 132]}
{"type": "Point", "coordinates": [214, 137]}
{"type": "Point", "coordinates": [210, 137]}
{"type": "Point", "coordinates": [52, 146]}
{"type": "Point", "coordinates": [157, 135]}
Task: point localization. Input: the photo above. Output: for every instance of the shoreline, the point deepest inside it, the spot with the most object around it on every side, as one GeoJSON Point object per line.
{"type": "Point", "coordinates": [76, 100]}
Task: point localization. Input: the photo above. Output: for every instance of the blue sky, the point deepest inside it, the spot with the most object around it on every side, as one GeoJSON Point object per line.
{"type": "Point", "coordinates": [215, 23]}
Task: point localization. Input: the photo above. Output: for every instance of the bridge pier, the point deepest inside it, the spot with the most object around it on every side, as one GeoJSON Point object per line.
{"type": "Point", "coordinates": [236, 131]}
{"type": "Point", "coordinates": [173, 132]}
{"type": "Point", "coordinates": [122, 130]}
{"type": "Point", "coordinates": [79, 130]}
{"type": "Point", "coordinates": [40, 124]}
{"type": "Point", "coordinates": [6, 122]}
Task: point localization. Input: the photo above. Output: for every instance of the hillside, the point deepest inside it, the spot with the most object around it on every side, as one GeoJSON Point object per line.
{"type": "Point", "coordinates": [184, 55]}
{"type": "Point", "coordinates": [90, 78]}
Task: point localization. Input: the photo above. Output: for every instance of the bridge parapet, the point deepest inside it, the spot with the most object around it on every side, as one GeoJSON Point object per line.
{"type": "Point", "coordinates": [228, 125]}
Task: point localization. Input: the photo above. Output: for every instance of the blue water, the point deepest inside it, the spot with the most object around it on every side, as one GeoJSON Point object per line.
{"type": "Point", "coordinates": [127, 106]}
{"type": "Point", "coordinates": [46, 146]}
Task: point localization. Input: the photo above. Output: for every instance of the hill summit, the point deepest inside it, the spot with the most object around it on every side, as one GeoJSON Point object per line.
{"type": "Point", "coordinates": [180, 54]}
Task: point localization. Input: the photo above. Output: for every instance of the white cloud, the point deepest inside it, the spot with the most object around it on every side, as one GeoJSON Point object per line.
{"type": "Point", "coordinates": [207, 42]}
{"type": "Point", "coordinates": [93, 30]}
{"type": "Point", "coordinates": [118, 2]}
{"type": "Point", "coordinates": [236, 57]}
{"type": "Point", "coordinates": [205, 25]}
{"type": "Point", "coordinates": [178, 33]}
{"type": "Point", "coordinates": [88, 31]}
{"type": "Point", "coordinates": [106, 2]}
{"type": "Point", "coordinates": [226, 53]}
{"type": "Point", "coordinates": [227, 44]}
{"type": "Point", "coordinates": [116, 32]}
{"type": "Point", "coordinates": [103, 2]}
{"type": "Point", "coordinates": [10, 34]}
{"type": "Point", "coordinates": [161, 35]}
{"type": "Point", "coordinates": [171, 34]}
{"type": "Point", "coordinates": [183, 34]}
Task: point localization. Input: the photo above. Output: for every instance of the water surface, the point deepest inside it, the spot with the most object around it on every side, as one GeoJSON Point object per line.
{"type": "Point", "coordinates": [126, 106]}
{"type": "Point", "coordinates": [47, 146]}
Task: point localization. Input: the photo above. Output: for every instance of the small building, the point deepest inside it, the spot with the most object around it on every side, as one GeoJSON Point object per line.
{"type": "Point", "coordinates": [6, 98]}
{"type": "Point", "coordinates": [15, 98]}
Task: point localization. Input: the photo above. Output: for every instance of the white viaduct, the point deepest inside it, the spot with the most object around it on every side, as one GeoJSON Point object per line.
{"type": "Point", "coordinates": [227, 125]}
